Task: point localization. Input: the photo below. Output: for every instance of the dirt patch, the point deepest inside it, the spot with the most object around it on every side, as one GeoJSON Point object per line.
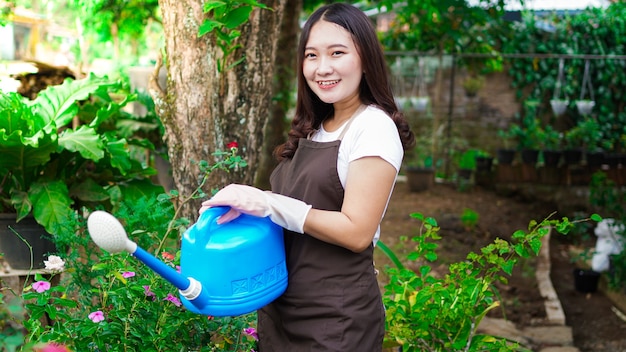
{"type": "Point", "coordinates": [595, 326]}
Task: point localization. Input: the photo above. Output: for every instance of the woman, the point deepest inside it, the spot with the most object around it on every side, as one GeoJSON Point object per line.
{"type": "Point", "coordinates": [330, 191]}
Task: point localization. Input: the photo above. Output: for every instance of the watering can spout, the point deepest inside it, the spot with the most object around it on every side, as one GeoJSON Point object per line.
{"type": "Point", "coordinates": [109, 234]}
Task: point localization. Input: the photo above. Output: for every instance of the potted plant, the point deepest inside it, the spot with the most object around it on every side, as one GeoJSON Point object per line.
{"type": "Point", "coordinates": [419, 167]}
{"type": "Point", "coordinates": [52, 165]}
{"type": "Point", "coordinates": [506, 154]}
{"type": "Point", "coordinates": [585, 106]}
{"type": "Point", "coordinates": [472, 84]}
{"type": "Point", "coordinates": [572, 149]}
{"type": "Point", "coordinates": [559, 106]}
{"type": "Point", "coordinates": [550, 141]}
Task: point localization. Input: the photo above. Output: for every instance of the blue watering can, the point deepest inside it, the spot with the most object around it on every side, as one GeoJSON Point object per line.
{"type": "Point", "coordinates": [226, 270]}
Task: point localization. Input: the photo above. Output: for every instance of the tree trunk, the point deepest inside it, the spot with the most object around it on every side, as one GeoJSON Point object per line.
{"type": "Point", "coordinates": [203, 109]}
{"type": "Point", "coordinates": [284, 86]}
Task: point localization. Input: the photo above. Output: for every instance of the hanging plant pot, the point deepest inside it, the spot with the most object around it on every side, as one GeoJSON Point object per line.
{"type": "Point", "coordinates": [420, 103]}
{"type": "Point", "coordinates": [16, 251]}
{"type": "Point", "coordinates": [559, 106]}
{"type": "Point", "coordinates": [403, 102]}
{"type": "Point", "coordinates": [585, 106]}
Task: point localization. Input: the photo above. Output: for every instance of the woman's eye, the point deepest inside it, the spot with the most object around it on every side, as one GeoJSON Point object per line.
{"type": "Point", "coordinates": [337, 53]}
{"type": "Point", "coordinates": [309, 55]}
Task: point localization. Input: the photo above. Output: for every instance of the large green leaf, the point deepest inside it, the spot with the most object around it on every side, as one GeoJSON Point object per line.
{"type": "Point", "coordinates": [89, 191]}
{"type": "Point", "coordinates": [59, 103]}
{"type": "Point", "coordinates": [84, 140]}
{"type": "Point", "coordinates": [51, 204]}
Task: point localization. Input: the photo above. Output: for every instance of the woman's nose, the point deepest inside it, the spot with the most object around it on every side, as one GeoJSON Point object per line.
{"type": "Point", "coordinates": [324, 66]}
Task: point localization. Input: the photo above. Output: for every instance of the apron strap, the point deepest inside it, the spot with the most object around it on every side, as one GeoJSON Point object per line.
{"type": "Point", "coordinates": [356, 113]}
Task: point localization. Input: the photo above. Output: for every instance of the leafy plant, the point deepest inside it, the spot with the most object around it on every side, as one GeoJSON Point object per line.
{"type": "Point", "coordinates": [52, 165]}
{"type": "Point", "coordinates": [441, 313]}
{"type": "Point", "coordinates": [106, 300]}
{"type": "Point", "coordinates": [591, 31]}
{"type": "Point", "coordinates": [473, 84]}
{"type": "Point", "coordinates": [421, 156]}
{"type": "Point", "coordinates": [469, 218]}
{"type": "Point", "coordinates": [223, 19]}
{"type": "Point", "coordinates": [467, 160]}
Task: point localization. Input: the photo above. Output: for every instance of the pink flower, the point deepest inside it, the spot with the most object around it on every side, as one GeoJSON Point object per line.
{"type": "Point", "coordinates": [172, 299]}
{"type": "Point", "coordinates": [232, 145]}
{"type": "Point", "coordinates": [96, 316]}
{"type": "Point", "coordinates": [178, 269]}
{"type": "Point", "coordinates": [147, 292]}
{"type": "Point", "coordinates": [41, 286]}
{"type": "Point", "coordinates": [51, 347]}
{"type": "Point", "coordinates": [128, 274]}
{"type": "Point", "coordinates": [251, 332]}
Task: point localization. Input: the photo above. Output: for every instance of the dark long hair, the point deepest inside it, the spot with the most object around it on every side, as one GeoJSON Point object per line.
{"type": "Point", "coordinates": [375, 88]}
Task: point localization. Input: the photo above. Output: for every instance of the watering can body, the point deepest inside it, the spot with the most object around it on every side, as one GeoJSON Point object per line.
{"type": "Point", "coordinates": [240, 264]}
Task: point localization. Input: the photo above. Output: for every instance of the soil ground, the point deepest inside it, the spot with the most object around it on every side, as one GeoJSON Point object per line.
{"type": "Point", "coordinates": [595, 326]}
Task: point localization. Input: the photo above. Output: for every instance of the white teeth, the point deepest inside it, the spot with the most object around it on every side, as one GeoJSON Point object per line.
{"type": "Point", "coordinates": [327, 83]}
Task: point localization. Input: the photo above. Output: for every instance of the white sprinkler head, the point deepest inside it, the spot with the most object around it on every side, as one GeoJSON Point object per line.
{"type": "Point", "coordinates": [108, 233]}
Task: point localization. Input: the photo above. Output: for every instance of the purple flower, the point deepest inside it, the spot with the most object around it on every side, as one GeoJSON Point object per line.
{"type": "Point", "coordinates": [251, 332]}
{"type": "Point", "coordinates": [172, 299]}
{"type": "Point", "coordinates": [147, 292]}
{"type": "Point", "coordinates": [96, 316]}
{"type": "Point", "coordinates": [128, 274]}
{"type": "Point", "coordinates": [41, 286]}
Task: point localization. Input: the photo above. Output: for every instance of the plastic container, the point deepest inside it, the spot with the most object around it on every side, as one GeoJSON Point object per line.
{"type": "Point", "coordinates": [241, 264]}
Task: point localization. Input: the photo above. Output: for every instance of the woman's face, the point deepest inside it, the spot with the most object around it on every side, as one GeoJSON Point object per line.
{"type": "Point", "coordinates": [332, 65]}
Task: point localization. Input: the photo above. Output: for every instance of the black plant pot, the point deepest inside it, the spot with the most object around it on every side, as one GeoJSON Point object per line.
{"type": "Point", "coordinates": [505, 156]}
{"type": "Point", "coordinates": [16, 252]}
{"type": "Point", "coordinates": [612, 160]}
{"type": "Point", "coordinates": [530, 156]}
{"type": "Point", "coordinates": [586, 281]}
{"type": "Point", "coordinates": [551, 158]}
{"type": "Point", "coordinates": [484, 163]}
{"type": "Point", "coordinates": [595, 159]}
{"type": "Point", "coordinates": [572, 156]}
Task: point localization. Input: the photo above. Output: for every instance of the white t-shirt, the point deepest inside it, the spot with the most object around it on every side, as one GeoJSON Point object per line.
{"type": "Point", "coordinates": [371, 133]}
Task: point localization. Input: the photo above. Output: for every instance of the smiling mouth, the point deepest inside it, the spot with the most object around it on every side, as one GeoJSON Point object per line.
{"type": "Point", "coordinates": [327, 83]}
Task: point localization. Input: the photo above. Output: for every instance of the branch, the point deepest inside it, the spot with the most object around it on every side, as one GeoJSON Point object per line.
{"type": "Point", "coordinates": [156, 91]}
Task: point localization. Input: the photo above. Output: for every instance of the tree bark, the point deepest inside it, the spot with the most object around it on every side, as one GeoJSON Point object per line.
{"type": "Point", "coordinates": [203, 109]}
{"type": "Point", "coordinates": [283, 87]}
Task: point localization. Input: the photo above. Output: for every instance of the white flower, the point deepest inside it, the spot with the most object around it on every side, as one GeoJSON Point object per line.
{"type": "Point", "coordinates": [54, 263]}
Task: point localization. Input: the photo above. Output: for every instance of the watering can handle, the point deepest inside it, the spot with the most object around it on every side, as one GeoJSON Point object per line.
{"type": "Point", "coordinates": [208, 219]}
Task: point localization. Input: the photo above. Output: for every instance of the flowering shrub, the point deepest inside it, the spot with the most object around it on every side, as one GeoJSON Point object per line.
{"type": "Point", "coordinates": [90, 300]}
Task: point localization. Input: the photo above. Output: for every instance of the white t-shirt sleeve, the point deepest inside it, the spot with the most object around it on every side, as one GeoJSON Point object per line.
{"type": "Point", "coordinates": [372, 133]}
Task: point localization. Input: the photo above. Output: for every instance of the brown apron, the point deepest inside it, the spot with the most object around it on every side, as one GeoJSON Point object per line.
{"type": "Point", "coordinates": [332, 301]}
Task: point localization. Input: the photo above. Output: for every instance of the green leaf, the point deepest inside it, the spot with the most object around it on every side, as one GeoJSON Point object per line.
{"type": "Point", "coordinates": [85, 141]}
{"type": "Point", "coordinates": [51, 204]}
{"type": "Point", "coordinates": [596, 217]}
{"type": "Point", "coordinates": [209, 26]}
{"type": "Point", "coordinates": [237, 17]}
{"type": "Point", "coordinates": [120, 156]}
{"type": "Point", "coordinates": [59, 103]}
{"type": "Point", "coordinates": [89, 191]}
